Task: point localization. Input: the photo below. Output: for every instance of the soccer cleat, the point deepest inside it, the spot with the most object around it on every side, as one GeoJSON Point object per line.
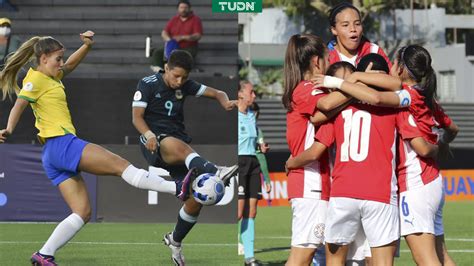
{"type": "Point", "coordinates": [253, 262]}
{"type": "Point", "coordinates": [226, 173]}
{"type": "Point", "coordinates": [38, 259]}
{"type": "Point", "coordinates": [176, 250]}
{"type": "Point", "coordinates": [183, 187]}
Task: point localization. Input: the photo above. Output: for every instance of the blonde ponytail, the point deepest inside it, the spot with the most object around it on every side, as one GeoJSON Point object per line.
{"type": "Point", "coordinates": [28, 51]}
{"type": "Point", "coordinates": [8, 78]}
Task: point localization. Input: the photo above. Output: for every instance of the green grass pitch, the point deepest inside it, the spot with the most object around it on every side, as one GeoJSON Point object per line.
{"type": "Point", "coordinates": [207, 244]}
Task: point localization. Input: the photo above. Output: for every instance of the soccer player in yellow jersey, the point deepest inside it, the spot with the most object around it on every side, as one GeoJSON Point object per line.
{"type": "Point", "coordinates": [64, 154]}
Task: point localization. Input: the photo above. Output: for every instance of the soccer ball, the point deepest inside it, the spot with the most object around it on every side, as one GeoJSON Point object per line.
{"type": "Point", "coordinates": [208, 189]}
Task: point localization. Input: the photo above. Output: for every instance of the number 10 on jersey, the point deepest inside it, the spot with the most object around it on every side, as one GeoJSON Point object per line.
{"type": "Point", "coordinates": [356, 135]}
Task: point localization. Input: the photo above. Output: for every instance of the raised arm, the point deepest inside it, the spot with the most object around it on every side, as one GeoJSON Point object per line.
{"type": "Point", "coordinates": [76, 58]}
{"type": "Point", "coordinates": [379, 80]}
{"type": "Point", "coordinates": [15, 114]}
{"type": "Point", "coordinates": [365, 93]}
{"type": "Point", "coordinates": [321, 117]}
{"type": "Point", "coordinates": [221, 97]}
{"type": "Point", "coordinates": [332, 101]}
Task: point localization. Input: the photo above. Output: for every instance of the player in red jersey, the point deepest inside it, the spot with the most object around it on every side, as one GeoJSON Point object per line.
{"type": "Point", "coordinates": [421, 216]}
{"type": "Point", "coordinates": [348, 43]}
{"type": "Point", "coordinates": [308, 187]}
{"type": "Point", "coordinates": [363, 190]}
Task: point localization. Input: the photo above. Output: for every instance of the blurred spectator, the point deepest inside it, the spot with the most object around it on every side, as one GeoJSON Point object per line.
{"type": "Point", "coordinates": [5, 4]}
{"type": "Point", "coordinates": [8, 43]}
{"type": "Point", "coordinates": [182, 31]}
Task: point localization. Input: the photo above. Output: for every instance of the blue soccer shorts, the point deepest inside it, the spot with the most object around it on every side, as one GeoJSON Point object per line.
{"type": "Point", "coordinates": [61, 157]}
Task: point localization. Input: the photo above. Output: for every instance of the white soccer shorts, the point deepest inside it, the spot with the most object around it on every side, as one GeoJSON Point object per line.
{"type": "Point", "coordinates": [309, 215]}
{"type": "Point", "coordinates": [380, 221]}
{"type": "Point", "coordinates": [421, 208]}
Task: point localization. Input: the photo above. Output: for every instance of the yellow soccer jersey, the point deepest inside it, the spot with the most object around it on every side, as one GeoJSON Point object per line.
{"type": "Point", "coordinates": [48, 101]}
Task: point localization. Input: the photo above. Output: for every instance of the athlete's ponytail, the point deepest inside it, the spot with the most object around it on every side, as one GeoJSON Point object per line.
{"type": "Point", "coordinates": [28, 51]}
{"type": "Point", "coordinates": [301, 48]}
{"type": "Point", "coordinates": [428, 82]}
{"type": "Point", "coordinates": [417, 62]}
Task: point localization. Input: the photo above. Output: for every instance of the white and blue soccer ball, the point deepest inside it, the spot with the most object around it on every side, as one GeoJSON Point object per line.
{"type": "Point", "coordinates": [208, 189]}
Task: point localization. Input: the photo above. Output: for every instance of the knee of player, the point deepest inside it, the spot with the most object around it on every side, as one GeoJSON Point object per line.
{"type": "Point", "coordinates": [192, 207]}
{"type": "Point", "coordinates": [119, 164]}
{"type": "Point", "coordinates": [85, 214]}
{"type": "Point", "coordinates": [253, 213]}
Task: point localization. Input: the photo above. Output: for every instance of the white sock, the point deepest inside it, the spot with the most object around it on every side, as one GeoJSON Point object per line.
{"type": "Point", "coordinates": [63, 232]}
{"type": "Point", "coordinates": [140, 178]}
{"type": "Point", "coordinates": [189, 158]}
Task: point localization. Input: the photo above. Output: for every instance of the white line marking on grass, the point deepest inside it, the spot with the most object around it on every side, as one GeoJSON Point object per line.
{"type": "Point", "coordinates": [116, 243]}
{"type": "Point", "coordinates": [460, 239]}
{"type": "Point", "coordinates": [273, 237]}
{"type": "Point", "coordinates": [447, 239]}
{"type": "Point", "coordinates": [449, 250]}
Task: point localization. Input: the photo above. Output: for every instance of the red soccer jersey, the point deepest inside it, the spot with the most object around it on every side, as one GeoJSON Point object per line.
{"type": "Point", "coordinates": [365, 48]}
{"type": "Point", "coordinates": [414, 171]}
{"type": "Point", "coordinates": [422, 114]}
{"type": "Point", "coordinates": [191, 25]}
{"type": "Point", "coordinates": [365, 138]}
{"type": "Point", "coordinates": [311, 181]}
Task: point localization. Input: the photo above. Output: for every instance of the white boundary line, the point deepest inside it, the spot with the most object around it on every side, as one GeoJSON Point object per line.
{"type": "Point", "coordinates": [447, 239]}
{"type": "Point", "coordinates": [115, 243]}
{"type": "Point", "coordinates": [449, 251]}
{"type": "Point", "coordinates": [187, 244]}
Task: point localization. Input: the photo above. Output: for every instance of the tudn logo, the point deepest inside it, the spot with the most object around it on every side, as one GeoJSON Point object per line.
{"type": "Point", "coordinates": [236, 6]}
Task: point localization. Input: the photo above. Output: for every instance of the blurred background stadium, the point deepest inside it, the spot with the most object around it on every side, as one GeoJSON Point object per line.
{"type": "Point", "coordinates": [445, 28]}
{"type": "Point", "coordinates": [99, 95]}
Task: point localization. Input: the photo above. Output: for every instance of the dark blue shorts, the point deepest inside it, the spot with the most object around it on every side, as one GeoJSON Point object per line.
{"type": "Point", "coordinates": [61, 157]}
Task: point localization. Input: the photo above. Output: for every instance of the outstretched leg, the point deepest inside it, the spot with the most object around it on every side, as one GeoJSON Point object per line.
{"type": "Point", "coordinates": [174, 151]}
{"type": "Point", "coordinates": [97, 160]}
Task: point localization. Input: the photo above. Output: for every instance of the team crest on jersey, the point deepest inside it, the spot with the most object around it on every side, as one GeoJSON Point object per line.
{"type": "Point", "coordinates": [319, 230]}
{"type": "Point", "coordinates": [28, 86]}
{"type": "Point", "coordinates": [179, 94]}
{"type": "Point", "coordinates": [137, 96]}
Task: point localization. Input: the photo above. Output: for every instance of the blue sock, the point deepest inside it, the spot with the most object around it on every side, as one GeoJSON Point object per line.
{"type": "Point", "coordinates": [247, 231]}
{"type": "Point", "coordinates": [193, 160]}
{"type": "Point", "coordinates": [319, 257]}
{"type": "Point", "coordinates": [183, 226]}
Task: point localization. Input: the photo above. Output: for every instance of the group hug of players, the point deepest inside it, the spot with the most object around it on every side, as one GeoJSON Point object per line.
{"type": "Point", "coordinates": [364, 136]}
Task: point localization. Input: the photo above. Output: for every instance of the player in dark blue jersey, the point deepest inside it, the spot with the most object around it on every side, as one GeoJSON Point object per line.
{"type": "Point", "coordinates": [158, 116]}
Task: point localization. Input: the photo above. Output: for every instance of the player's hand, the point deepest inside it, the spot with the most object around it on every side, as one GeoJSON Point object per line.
{"type": "Point", "coordinates": [444, 152]}
{"type": "Point", "coordinates": [87, 37]}
{"type": "Point", "coordinates": [264, 147]}
{"type": "Point", "coordinates": [152, 145]}
{"type": "Point", "coordinates": [229, 105]}
{"type": "Point", "coordinates": [3, 135]}
{"type": "Point", "coordinates": [368, 69]}
{"type": "Point", "coordinates": [179, 38]}
{"type": "Point", "coordinates": [268, 187]}
{"type": "Point", "coordinates": [318, 80]}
